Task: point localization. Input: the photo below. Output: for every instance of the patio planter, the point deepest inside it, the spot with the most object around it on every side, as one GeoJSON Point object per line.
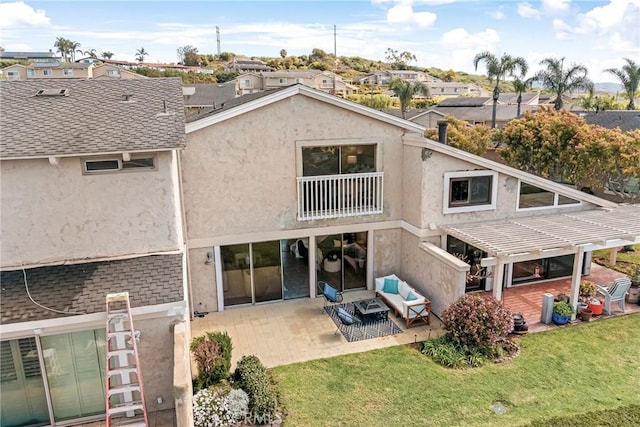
{"type": "Point", "coordinates": [634, 294]}
{"type": "Point", "coordinates": [585, 314]}
{"type": "Point", "coordinates": [596, 309]}
{"type": "Point", "coordinates": [560, 320]}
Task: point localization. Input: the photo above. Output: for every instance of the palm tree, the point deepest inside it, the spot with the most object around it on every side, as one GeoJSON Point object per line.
{"type": "Point", "coordinates": [62, 45]}
{"type": "Point", "coordinates": [74, 47]}
{"type": "Point", "coordinates": [405, 91]}
{"type": "Point", "coordinates": [91, 53]}
{"type": "Point", "coordinates": [629, 76]}
{"type": "Point", "coordinates": [560, 81]}
{"type": "Point", "coordinates": [140, 54]}
{"type": "Point", "coordinates": [106, 55]}
{"type": "Point", "coordinates": [499, 69]}
{"type": "Point", "coordinates": [520, 87]}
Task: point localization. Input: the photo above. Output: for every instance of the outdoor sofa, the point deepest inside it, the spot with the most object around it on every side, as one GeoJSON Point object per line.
{"type": "Point", "coordinates": [404, 300]}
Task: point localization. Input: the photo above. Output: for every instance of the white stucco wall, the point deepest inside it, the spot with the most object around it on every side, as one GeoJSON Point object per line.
{"type": "Point", "coordinates": [55, 213]}
{"type": "Point", "coordinates": [240, 175]}
{"type": "Point", "coordinates": [202, 281]}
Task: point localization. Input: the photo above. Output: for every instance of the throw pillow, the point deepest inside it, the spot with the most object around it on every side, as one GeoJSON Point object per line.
{"type": "Point", "coordinates": [390, 286]}
{"type": "Point", "coordinates": [411, 297]}
{"type": "Point", "coordinates": [330, 292]}
{"type": "Point", "coordinates": [346, 318]}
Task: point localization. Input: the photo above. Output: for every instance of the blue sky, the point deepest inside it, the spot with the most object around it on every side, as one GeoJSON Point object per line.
{"type": "Point", "coordinates": [441, 33]}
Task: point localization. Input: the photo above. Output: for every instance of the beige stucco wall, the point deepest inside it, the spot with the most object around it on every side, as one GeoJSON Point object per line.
{"type": "Point", "coordinates": [202, 281]}
{"type": "Point", "coordinates": [438, 275]}
{"type": "Point", "coordinates": [249, 163]}
{"type": "Point", "coordinates": [55, 213]}
{"type": "Point", "coordinates": [182, 384]}
{"type": "Point", "coordinates": [388, 255]}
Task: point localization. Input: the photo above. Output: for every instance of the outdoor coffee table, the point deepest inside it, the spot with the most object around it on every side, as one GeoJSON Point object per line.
{"type": "Point", "coordinates": [371, 309]}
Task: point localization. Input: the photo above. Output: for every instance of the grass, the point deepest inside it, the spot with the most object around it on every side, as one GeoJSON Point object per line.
{"type": "Point", "coordinates": [561, 373]}
{"type": "Point", "coordinates": [626, 262]}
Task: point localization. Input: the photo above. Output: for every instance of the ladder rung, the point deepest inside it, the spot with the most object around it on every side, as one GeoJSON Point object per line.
{"type": "Point", "coordinates": [117, 314]}
{"type": "Point", "coordinates": [131, 406]}
{"type": "Point", "coordinates": [122, 370]}
{"type": "Point", "coordinates": [120, 352]}
{"type": "Point", "coordinates": [125, 388]}
{"type": "Point", "coordinates": [118, 334]}
{"type": "Point", "coordinates": [135, 423]}
{"type": "Point", "coordinates": [120, 296]}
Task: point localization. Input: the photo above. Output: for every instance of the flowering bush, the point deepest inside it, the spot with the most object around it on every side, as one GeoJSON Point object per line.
{"type": "Point", "coordinates": [211, 409]}
{"type": "Point", "coordinates": [238, 404]}
{"type": "Point", "coordinates": [476, 322]}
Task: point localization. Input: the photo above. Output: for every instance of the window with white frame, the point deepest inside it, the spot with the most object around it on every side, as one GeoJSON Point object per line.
{"type": "Point", "coordinates": [470, 191]}
{"type": "Point", "coordinates": [114, 164]}
{"type": "Point", "coordinates": [47, 72]}
{"type": "Point", "coordinates": [113, 73]}
{"type": "Point", "coordinates": [532, 197]}
{"type": "Point", "coordinates": [13, 75]}
{"type": "Point", "coordinates": [31, 72]}
{"type": "Point", "coordinates": [282, 81]}
{"type": "Point", "coordinates": [68, 72]}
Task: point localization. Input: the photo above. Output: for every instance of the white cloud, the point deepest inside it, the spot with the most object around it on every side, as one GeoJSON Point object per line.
{"type": "Point", "coordinates": [19, 14]}
{"type": "Point", "coordinates": [497, 15]}
{"type": "Point", "coordinates": [461, 47]}
{"type": "Point", "coordinates": [527, 11]}
{"type": "Point", "coordinates": [402, 13]}
{"type": "Point", "coordinates": [556, 7]}
{"type": "Point", "coordinates": [612, 26]}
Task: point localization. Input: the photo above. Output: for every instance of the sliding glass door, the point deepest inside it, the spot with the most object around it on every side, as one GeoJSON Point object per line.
{"type": "Point", "coordinates": [343, 260]}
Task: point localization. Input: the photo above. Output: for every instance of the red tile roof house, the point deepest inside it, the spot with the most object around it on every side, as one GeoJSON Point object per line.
{"type": "Point", "coordinates": [289, 187]}
{"type": "Point", "coordinates": [90, 206]}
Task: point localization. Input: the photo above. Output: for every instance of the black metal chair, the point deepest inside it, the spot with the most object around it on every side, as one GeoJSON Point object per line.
{"type": "Point", "coordinates": [331, 294]}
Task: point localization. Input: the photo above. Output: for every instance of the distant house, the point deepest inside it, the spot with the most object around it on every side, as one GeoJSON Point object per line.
{"type": "Point", "coordinates": [202, 96]}
{"type": "Point", "coordinates": [110, 71]}
{"type": "Point", "coordinates": [449, 89]}
{"type": "Point", "coordinates": [246, 65]}
{"type": "Point", "coordinates": [385, 77]}
{"type": "Point", "coordinates": [325, 81]}
{"type": "Point", "coordinates": [48, 70]}
{"type": "Point", "coordinates": [31, 56]}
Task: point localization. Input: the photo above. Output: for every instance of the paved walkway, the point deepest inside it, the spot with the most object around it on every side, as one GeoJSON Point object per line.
{"type": "Point", "coordinates": [297, 331]}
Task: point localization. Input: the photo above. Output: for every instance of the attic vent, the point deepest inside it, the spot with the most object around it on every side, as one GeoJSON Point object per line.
{"type": "Point", "coordinates": [53, 92]}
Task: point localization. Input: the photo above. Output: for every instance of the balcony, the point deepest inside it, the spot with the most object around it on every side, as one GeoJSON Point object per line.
{"type": "Point", "coordinates": [339, 196]}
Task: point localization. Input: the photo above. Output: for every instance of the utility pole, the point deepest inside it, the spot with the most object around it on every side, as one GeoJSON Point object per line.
{"type": "Point", "coordinates": [218, 38]}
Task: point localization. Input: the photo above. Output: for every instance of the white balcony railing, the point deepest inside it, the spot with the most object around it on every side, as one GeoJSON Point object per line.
{"type": "Point", "coordinates": [337, 196]}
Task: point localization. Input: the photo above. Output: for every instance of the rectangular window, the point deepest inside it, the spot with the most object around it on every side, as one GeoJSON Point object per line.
{"type": "Point", "coordinates": [31, 72]}
{"type": "Point", "coordinates": [113, 73]}
{"type": "Point", "coordinates": [112, 165]}
{"type": "Point", "coordinates": [68, 72]}
{"type": "Point", "coordinates": [341, 159]}
{"type": "Point", "coordinates": [532, 197]}
{"type": "Point", "coordinates": [47, 72]}
{"type": "Point", "coordinates": [469, 191]}
{"type": "Point", "coordinates": [282, 81]}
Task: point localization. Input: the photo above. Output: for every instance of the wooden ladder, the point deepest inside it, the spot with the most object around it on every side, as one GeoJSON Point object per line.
{"type": "Point", "coordinates": [125, 402]}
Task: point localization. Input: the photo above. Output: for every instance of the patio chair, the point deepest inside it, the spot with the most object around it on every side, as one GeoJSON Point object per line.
{"type": "Point", "coordinates": [615, 292]}
{"type": "Point", "coordinates": [330, 294]}
{"type": "Point", "coordinates": [346, 319]}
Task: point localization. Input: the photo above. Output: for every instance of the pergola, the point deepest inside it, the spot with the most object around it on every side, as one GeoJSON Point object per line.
{"type": "Point", "coordinates": [541, 236]}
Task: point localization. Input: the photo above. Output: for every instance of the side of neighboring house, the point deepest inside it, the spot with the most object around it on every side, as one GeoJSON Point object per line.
{"type": "Point", "coordinates": [44, 70]}
{"type": "Point", "coordinates": [90, 206]}
{"type": "Point", "coordinates": [325, 81]}
{"type": "Point", "coordinates": [342, 193]}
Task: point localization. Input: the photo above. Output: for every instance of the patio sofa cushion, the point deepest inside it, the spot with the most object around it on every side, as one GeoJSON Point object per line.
{"type": "Point", "coordinates": [410, 309]}
{"type": "Point", "coordinates": [411, 297]}
{"type": "Point", "coordinates": [344, 316]}
{"type": "Point", "coordinates": [390, 285]}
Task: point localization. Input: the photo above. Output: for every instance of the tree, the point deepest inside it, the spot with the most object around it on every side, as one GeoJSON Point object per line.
{"type": "Point", "coordinates": [188, 55]}
{"type": "Point", "coordinates": [283, 53]}
{"type": "Point", "coordinates": [106, 55]}
{"type": "Point", "coordinates": [74, 47]}
{"type": "Point", "coordinates": [561, 146]}
{"type": "Point", "coordinates": [520, 87]}
{"type": "Point", "coordinates": [629, 76]}
{"type": "Point", "coordinates": [140, 54]}
{"type": "Point", "coordinates": [560, 81]}
{"type": "Point", "coordinates": [62, 45]}
{"type": "Point", "coordinates": [460, 134]}
{"type": "Point", "coordinates": [399, 61]}
{"type": "Point", "coordinates": [91, 53]}
{"type": "Point", "coordinates": [405, 91]}
{"type": "Point", "coordinates": [498, 69]}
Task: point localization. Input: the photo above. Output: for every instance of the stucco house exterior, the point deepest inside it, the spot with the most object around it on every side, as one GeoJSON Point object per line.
{"type": "Point", "coordinates": [276, 202]}
{"type": "Point", "coordinates": [325, 81]}
{"type": "Point", "coordinates": [48, 70]}
{"type": "Point", "coordinates": [90, 205]}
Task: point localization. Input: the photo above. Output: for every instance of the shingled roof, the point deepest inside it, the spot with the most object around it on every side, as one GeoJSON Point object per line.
{"type": "Point", "coordinates": [81, 288]}
{"type": "Point", "coordinates": [623, 119]}
{"type": "Point", "coordinates": [90, 116]}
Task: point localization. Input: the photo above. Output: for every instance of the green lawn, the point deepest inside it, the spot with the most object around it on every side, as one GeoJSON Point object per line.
{"type": "Point", "coordinates": [626, 262]}
{"type": "Point", "coordinates": [564, 372]}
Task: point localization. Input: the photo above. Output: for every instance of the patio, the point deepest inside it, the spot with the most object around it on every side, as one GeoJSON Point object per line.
{"type": "Point", "coordinates": [297, 331]}
{"type": "Point", "coordinates": [527, 299]}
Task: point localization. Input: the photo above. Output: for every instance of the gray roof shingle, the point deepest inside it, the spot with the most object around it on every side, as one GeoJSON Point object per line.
{"type": "Point", "coordinates": [624, 119]}
{"type": "Point", "coordinates": [150, 280]}
{"type": "Point", "coordinates": [93, 118]}
{"type": "Point", "coordinates": [210, 94]}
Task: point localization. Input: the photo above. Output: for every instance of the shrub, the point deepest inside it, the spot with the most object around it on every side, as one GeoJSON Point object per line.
{"type": "Point", "coordinates": [561, 308]}
{"type": "Point", "coordinates": [211, 408]}
{"type": "Point", "coordinates": [212, 354]}
{"type": "Point", "coordinates": [477, 322]}
{"type": "Point", "coordinates": [252, 376]}
{"type": "Point", "coordinates": [238, 404]}
{"type": "Point", "coordinates": [444, 352]}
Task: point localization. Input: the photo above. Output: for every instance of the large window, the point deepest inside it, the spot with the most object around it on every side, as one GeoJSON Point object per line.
{"type": "Point", "coordinates": [469, 191]}
{"type": "Point", "coordinates": [532, 197]}
{"type": "Point", "coordinates": [340, 159]}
